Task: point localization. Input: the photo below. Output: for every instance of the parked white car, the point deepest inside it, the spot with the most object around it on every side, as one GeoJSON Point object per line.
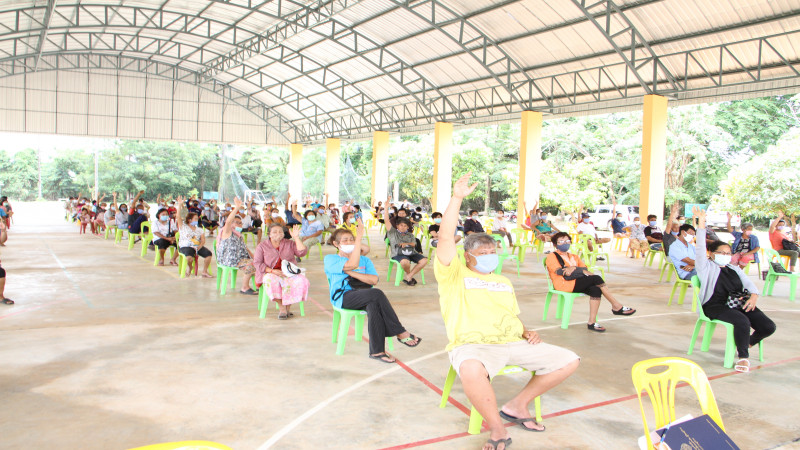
{"type": "Point", "coordinates": [601, 215]}
{"type": "Point", "coordinates": [719, 219]}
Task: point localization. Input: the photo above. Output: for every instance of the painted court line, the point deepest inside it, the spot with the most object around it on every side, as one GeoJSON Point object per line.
{"type": "Point", "coordinates": [584, 407]}
{"type": "Point", "coordinates": [69, 277]}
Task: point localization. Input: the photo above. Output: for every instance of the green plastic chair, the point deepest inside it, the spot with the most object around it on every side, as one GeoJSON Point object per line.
{"type": "Point", "coordinates": [183, 263]}
{"type": "Point", "coordinates": [772, 276]}
{"type": "Point", "coordinates": [684, 284]}
{"type": "Point", "coordinates": [171, 250]}
{"type": "Point", "coordinates": [132, 236]}
{"type": "Point", "coordinates": [664, 268]}
{"type": "Point", "coordinates": [730, 344]}
{"type": "Point", "coordinates": [319, 247]}
{"type": "Point", "coordinates": [388, 246]}
{"type": "Point", "coordinates": [147, 238]}
{"type": "Point", "coordinates": [341, 325]}
{"type": "Point", "coordinates": [564, 302]}
{"type": "Point", "coordinates": [263, 303]}
{"type": "Point", "coordinates": [110, 229]}
{"type": "Point", "coordinates": [223, 274]}
{"type": "Point", "coordinates": [248, 234]}
{"type": "Point", "coordinates": [399, 272]}
{"type": "Point", "coordinates": [118, 235]}
{"type": "Point", "coordinates": [591, 257]}
{"type": "Point", "coordinates": [651, 256]}
{"type": "Point", "coordinates": [505, 255]}
{"type": "Point", "coordinates": [475, 418]}
{"type": "Point", "coordinates": [523, 244]}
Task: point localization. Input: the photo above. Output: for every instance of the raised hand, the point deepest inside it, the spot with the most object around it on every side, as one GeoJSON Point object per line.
{"type": "Point", "coordinates": [359, 229]}
{"type": "Point", "coordinates": [294, 232]}
{"type": "Point", "coordinates": [462, 187]}
{"type": "Point", "coordinates": [730, 216]}
{"type": "Point", "coordinates": [237, 202]}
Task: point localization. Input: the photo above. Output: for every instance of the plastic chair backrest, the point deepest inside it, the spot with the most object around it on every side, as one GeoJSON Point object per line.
{"type": "Point", "coordinates": [145, 226]}
{"type": "Point", "coordinates": [696, 293]}
{"type": "Point", "coordinates": [547, 273]}
{"type": "Point", "coordinates": [660, 387]}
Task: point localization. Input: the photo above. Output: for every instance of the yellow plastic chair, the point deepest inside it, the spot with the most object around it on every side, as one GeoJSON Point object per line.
{"type": "Point", "coordinates": [660, 388]}
{"type": "Point", "coordinates": [185, 445]}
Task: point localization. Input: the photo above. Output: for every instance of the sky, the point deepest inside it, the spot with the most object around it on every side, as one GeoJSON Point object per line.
{"type": "Point", "coordinates": [49, 144]}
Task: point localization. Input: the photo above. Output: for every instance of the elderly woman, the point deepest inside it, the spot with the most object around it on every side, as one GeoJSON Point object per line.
{"type": "Point", "coordinates": [311, 228]}
{"type": "Point", "coordinates": [349, 267]}
{"type": "Point", "coordinates": [403, 247]}
{"type": "Point", "coordinates": [209, 217]}
{"type": "Point", "coordinates": [727, 294]}
{"type": "Point", "coordinates": [164, 230]}
{"type": "Point", "coordinates": [192, 241]}
{"type": "Point", "coordinates": [232, 251]}
{"type": "Point", "coordinates": [745, 244]}
{"type": "Point", "coordinates": [270, 255]}
{"type": "Point", "coordinates": [569, 274]}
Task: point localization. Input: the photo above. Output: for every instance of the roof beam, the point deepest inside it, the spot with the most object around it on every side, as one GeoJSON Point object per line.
{"type": "Point", "coordinates": [48, 15]}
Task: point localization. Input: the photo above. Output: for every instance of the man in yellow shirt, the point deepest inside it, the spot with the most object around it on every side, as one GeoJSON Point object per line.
{"type": "Point", "coordinates": [480, 314]}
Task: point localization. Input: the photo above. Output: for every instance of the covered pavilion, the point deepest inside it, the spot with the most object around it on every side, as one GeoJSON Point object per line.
{"type": "Point", "coordinates": [103, 351]}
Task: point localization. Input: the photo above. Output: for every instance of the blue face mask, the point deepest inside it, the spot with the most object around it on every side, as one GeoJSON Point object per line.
{"type": "Point", "coordinates": [312, 218]}
{"type": "Point", "coordinates": [653, 223]}
{"type": "Point", "coordinates": [486, 263]}
{"type": "Point", "coordinates": [437, 220]}
{"type": "Point", "coordinates": [238, 229]}
{"type": "Point", "coordinates": [193, 223]}
{"type": "Point", "coordinates": [586, 220]}
{"type": "Point", "coordinates": [140, 211]}
{"type": "Point", "coordinates": [163, 218]}
{"type": "Point", "coordinates": [563, 247]}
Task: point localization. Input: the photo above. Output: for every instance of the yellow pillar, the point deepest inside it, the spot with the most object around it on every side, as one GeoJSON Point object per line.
{"type": "Point", "coordinates": [530, 162]}
{"type": "Point", "coordinates": [296, 171]}
{"type": "Point", "coordinates": [654, 156]}
{"type": "Point", "coordinates": [380, 166]}
{"type": "Point", "coordinates": [442, 165]}
{"type": "Point", "coordinates": [332, 148]}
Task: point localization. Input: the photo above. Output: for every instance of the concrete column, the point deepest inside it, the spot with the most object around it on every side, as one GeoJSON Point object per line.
{"type": "Point", "coordinates": [442, 165]}
{"type": "Point", "coordinates": [296, 171]}
{"type": "Point", "coordinates": [332, 164]}
{"type": "Point", "coordinates": [380, 166]}
{"type": "Point", "coordinates": [654, 157]}
{"type": "Point", "coordinates": [530, 162]}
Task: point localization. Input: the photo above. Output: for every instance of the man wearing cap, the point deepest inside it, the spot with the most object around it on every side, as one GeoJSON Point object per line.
{"type": "Point", "coordinates": [586, 227]}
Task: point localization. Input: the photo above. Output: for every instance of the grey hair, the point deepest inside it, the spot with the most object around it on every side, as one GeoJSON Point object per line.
{"type": "Point", "coordinates": [746, 225]}
{"type": "Point", "coordinates": [477, 240]}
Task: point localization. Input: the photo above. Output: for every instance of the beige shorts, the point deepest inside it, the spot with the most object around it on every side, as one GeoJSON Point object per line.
{"type": "Point", "coordinates": [640, 245]}
{"type": "Point", "coordinates": [541, 358]}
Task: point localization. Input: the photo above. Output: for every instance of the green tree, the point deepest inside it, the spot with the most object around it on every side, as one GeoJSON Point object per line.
{"type": "Point", "coordinates": [755, 124]}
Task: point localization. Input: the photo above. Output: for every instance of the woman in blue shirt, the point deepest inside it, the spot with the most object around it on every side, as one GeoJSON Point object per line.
{"type": "Point", "coordinates": [349, 264]}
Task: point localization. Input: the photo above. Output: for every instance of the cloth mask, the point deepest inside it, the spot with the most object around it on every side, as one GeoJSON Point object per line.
{"type": "Point", "coordinates": [563, 247]}
{"type": "Point", "coordinates": [347, 248]}
{"type": "Point", "coordinates": [437, 220]}
{"type": "Point", "coordinates": [486, 263]}
{"type": "Point", "coordinates": [722, 260]}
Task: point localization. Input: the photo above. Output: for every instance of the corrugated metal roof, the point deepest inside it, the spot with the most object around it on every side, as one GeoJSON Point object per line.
{"type": "Point", "coordinates": [419, 62]}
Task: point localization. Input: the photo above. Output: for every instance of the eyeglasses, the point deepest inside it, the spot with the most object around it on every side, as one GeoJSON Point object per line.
{"type": "Point", "coordinates": [723, 253]}
{"type": "Point", "coordinates": [563, 241]}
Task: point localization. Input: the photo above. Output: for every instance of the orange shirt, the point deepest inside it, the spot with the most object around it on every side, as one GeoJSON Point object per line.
{"type": "Point", "coordinates": [776, 238]}
{"type": "Point", "coordinates": [558, 280]}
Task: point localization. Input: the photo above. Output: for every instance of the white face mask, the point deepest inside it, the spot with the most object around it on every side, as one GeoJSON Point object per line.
{"type": "Point", "coordinates": [722, 260]}
{"type": "Point", "coordinates": [689, 238]}
{"type": "Point", "coordinates": [636, 222]}
{"type": "Point", "coordinates": [347, 248]}
{"type": "Point", "coordinates": [275, 215]}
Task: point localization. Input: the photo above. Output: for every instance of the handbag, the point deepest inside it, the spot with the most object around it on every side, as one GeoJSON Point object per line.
{"type": "Point", "coordinates": [355, 285]}
{"type": "Point", "coordinates": [778, 268]}
{"type": "Point", "coordinates": [577, 273]}
{"type": "Point", "coordinates": [789, 245]}
{"type": "Point", "coordinates": [736, 300]}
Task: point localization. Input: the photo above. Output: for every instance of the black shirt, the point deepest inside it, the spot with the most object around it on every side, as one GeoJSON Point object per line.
{"type": "Point", "coordinates": [728, 281]}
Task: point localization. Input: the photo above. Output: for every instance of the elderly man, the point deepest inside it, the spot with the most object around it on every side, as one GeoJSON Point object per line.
{"type": "Point", "coordinates": [480, 313]}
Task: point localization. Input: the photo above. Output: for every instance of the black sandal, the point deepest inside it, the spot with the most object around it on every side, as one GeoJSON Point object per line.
{"type": "Point", "coordinates": [8, 301]}
{"type": "Point", "coordinates": [410, 338]}
{"type": "Point", "coordinates": [596, 327]}
{"type": "Point", "coordinates": [413, 282]}
{"type": "Point", "coordinates": [520, 422]}
{"type": "Point", "coordinates": [624, 311]}
{"type": "Point", "coordinates": [380, 357]}
{"type": "Point", "coordinates": [494, 443]}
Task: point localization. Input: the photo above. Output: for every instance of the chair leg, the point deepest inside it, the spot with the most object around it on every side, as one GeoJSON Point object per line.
{"type": "Point", "coordinates": [448, 385]}
{"type": "Point", "coordinates": [398, 274]}
{"type": "Point", "coordinates": [223, 284]}
{"type": "Point", "coordinates": [344, 326]}
{"type": "Point", "coordinates": [475, 422]}
{"type": "Point", "coordinates": [337, 317]}
{"type": "Point", "coordinates": [792, 287]}
{"type": "Point", "coordinates": [302, 309]}
{"type": "Point", "coordinates": [707, 335]}
{"type": "Point", "coordinates": [359, 326]}
{"type": "Point", "coordinates": [697, 326]}
{"type": "Point", "coordinates": [730, 348]}
{"type": "Point", "coordinates": [682, 293]}
{"type": "Point", "coordinates": [568, 300]}
{"type": "Point", "coordinates": [672, 294]}
{"type": "Point", "coordinates": [546, 305]}
{"type": "Point", "coordinates": [761, 351]}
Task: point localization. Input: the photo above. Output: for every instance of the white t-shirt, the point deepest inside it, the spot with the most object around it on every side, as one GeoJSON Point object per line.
{"type": "Point", "coordinates": [164, 228]}
{"type": "Point", "coordinates": [586, 228]}
{"type": "Point", "coordinates": [499, 223]}
{"type": "Point", "coordinates": [187, 233]}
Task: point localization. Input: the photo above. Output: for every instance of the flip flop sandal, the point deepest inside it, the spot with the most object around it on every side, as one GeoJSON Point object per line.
{"type": "Point", "coordinates": [291, 314]}
{"type": "Point", "coordinates": [743, 368]}
{"type": "Point", "coordinates": [518, 421]}
{"type": "Point", "coordinates": [596, 327]}
{"type": "Point", "coordinates": [624, 311]}
{"type": "Point", "coordinates": [248, 292]}
{"type": "Point", "coordinates": [380, 357]}
{"type": "Point", "coordinates": [8, 301]}
{"type": "Point", "coordinates": [282, 317]}
{"type": "Point", "coordinates": [413, 282]}
{"type": "Point", "coordinates": [408, 283]}
{"type": "Point", "coordinates": [410, 338]}
{"type": "Point", "coordinates": [495, 443]}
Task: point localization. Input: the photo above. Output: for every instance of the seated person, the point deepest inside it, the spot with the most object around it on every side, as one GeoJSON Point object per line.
{"type": "Point", "coordinates": [349, 222]}
{"type": "Point", "coordinates": [403, 248]}
{"type": "Point", "coordinates": [255, 220]}
{"type": "Point", "coordinates": [164, 230]}
{"type": "Point", "coordinates": [270, 254]}
{"type": "Point", "coordinates": [562, 264]}
{"type": "Point", "coordinates": [324, 218]}
{"type": "Point", "coordinates": [673, 229]}
{"type": "Point", "coordinates": [617, 224]}
{"type": "Point", "coordinates": [192, 241]}
{"type": "Point", "coordinates": [485, 333]}
{"type": "Point", "coordinates": [745, 244]}
{"type": "Point", "coordinates": [99, 222]}
{"type": "Point", "coordinates": [232, 251]}
{"type": "Point", "coordinates": [209, 218]}
{"type": "Point", "coordinates": [543, 228]}
{"type": "Point", "coordinates": [3, 298]}
{"type": "Point", "coordinates": [638, 240]}
{"type": "Point", "coordinates": [138, 214]}
{"type": "Point", "coordinates": [290, 220]}
{"type": "Point", "coordinates": [586, 227]}
{"type": "Point", "coordinates": [357, 212]}
{"type": "Point", "coordinates": [472, 225]}
{"type": "Point", "coordinates": [248, 226]}
{"type": "Point", "coordinates": [500, 226]}
{"type": "Point", "coordinates": [416, 216]}
{"type": "Point", "coordinates": [721, 284]}
{"type": "Point", "coordinates": [351, 277]}
{"type": "Point", "coordinates": [3, 234]}
{"type": "Point", "coordinates": [782, 242]}
{"type": "Point", "coordinates": [652, 233]}
{"type": "Point", "coordinates": [433, 230]}
{"type": "Point", "coordinates": [682, 251]}
{"type": "Point", "coordinates": [311, 228]}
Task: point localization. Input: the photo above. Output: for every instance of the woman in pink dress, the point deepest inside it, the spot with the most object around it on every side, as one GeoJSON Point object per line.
{"type": "Point", "coordinates": [270, 254]}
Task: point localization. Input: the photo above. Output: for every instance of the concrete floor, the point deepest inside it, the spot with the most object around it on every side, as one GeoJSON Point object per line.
{"type": "Point", "coordinates": [105, 351]}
